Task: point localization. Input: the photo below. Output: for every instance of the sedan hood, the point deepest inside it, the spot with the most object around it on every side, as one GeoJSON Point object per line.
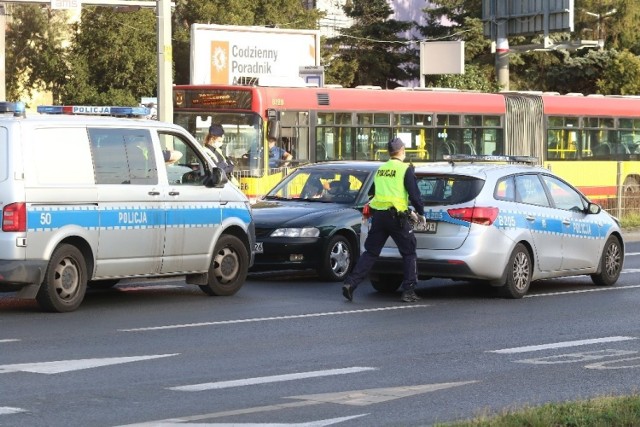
{"type": "Point", "coordinates": [282, 213]}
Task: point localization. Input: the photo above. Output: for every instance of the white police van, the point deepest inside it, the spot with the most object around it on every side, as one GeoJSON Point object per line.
{"type": "Point", "coordinates": [88, 200]}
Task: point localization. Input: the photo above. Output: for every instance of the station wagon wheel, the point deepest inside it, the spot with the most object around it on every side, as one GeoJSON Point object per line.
{"type": "Point", "coordinates": [337, 259]}
{"type": "Point", "coordinates": [228, 269]}
{"type": "Point", "coordinates": [518, 273]}
{"type": "Point", "coordinates": [610, 263]}
{"type": "Point", "coordinates": [386, 283]}
{"type": "Point", "coordinates": [65, 281]}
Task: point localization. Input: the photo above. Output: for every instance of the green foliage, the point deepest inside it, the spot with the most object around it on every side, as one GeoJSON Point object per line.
{"type": "Point", "coordinates": [475, 77]}
{"type": "Point", "coordinates": [370, 51]}
{"type": "Point", "coordinates": [622, 75]}
{"type": "Point", "coordinates": [35, 56]}
{"type": "Point", "coordinates": [114, 58]}
{"type": "Point", "coordinates": [597, 412]}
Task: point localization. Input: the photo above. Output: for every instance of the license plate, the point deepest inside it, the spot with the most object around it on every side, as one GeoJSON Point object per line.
{"type": "Point", "coordinates": [429, 227]}
{"type": "Point", "coordinates": [258, 248]}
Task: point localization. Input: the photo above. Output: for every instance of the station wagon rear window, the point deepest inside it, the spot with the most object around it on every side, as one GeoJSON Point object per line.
{"type": "Point", "coordinates": [448, 189]}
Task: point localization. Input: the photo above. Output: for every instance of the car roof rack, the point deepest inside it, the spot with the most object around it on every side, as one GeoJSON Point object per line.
{"type": "Point", "coordinates": [479, 158]}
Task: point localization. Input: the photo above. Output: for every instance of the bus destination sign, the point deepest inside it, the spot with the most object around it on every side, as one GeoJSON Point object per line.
{"type": "Point", "coordinates": [209, 98]}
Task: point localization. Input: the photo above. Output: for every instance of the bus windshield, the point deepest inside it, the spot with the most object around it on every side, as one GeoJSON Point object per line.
{"type": "Point", "coordinates": [242, 135]}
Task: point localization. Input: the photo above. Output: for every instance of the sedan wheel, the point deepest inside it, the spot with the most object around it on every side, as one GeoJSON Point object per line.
{"type": "Point", "coordinates": [337, 259]}
{"type": "Point", "coordinates": [518, 273]}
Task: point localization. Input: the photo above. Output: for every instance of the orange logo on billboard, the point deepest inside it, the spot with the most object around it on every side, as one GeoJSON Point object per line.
{"type": "Point", "coordinates": [219, 62]}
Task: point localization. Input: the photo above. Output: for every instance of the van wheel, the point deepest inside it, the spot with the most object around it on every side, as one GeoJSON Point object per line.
{"type": "Point", "coordinates": [102, 284]}
{"type": "Point", "coordinates": [386, 283]}
{"type": "Point", "coordinates": [65, 281]}
{"type": "Point", "coordinates": [518, 272]}
{"type": "Point", "coordinates": [337, 259]}
{"type": "Point", "coordinates": [610, 263]}
{"type": "Point", "coordinates": [228, 269]}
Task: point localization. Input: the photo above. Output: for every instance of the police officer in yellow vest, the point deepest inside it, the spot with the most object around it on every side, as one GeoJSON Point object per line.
{"type": "Point", "coordinates": [395, 186]}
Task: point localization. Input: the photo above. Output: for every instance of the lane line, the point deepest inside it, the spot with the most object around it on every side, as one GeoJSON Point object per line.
{"type": "Point", "coordinates": [632, 254]}
{"type": "Point", "coordinates": [583, 291]}
{"type": "Point", "coordinates": [10, 340]}
{"type": "Point", "coordinates": [271, 379]}
{"type": "Point", "coordinates": [267, 319]}
{"type": "Point", "coordinates": [6, 410]}
{"type": "Point", "coordinates": [562, 344]}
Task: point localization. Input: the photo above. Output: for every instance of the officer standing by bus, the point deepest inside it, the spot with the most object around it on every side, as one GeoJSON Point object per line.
{"type": "Point", "coordinates": [395, 186]}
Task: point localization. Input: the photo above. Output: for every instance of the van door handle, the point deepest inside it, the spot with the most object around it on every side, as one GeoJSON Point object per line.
{"type": "Point", "coordinates": [154, 193]}
{"type": "Point", "coordinates": [174, 193]}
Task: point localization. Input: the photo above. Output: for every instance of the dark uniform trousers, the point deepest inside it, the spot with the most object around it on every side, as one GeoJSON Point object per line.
{"type": "Point", "coordinates": [384, 224]}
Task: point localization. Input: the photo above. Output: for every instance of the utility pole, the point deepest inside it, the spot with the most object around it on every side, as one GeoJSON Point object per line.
{"type": "Point", "coordinates": [163, 8]}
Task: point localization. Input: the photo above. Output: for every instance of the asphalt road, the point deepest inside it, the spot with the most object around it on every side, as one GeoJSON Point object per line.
{"type": "Point", "coordinates": [289, 350]}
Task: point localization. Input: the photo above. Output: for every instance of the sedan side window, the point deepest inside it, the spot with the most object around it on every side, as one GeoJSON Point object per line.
{"type": "Point", "coordinates": [563, 196]}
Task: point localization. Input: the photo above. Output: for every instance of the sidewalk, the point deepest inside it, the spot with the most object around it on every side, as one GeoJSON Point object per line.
{"type": "Point", "coordinates": [631, 234]}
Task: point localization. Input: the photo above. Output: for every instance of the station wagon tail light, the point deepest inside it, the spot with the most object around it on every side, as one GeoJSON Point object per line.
{"type": "Point", "coordinates": [477, 215]}
{"type": "Point", "coordinates": [14, 217]}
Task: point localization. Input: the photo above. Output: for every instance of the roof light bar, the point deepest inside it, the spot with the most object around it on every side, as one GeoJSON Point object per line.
{"type": "Point", "coordinates": [17, 108]}
{"type": "Point", "coordinates": [94, 110]}
{"type": "Point", "coordinates": [473, 158]}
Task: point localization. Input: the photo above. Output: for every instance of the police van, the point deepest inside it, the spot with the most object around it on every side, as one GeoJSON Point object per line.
{"type": "Point", "coordinates": [89, 200]}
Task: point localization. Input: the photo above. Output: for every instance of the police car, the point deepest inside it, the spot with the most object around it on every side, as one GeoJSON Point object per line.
{"type": "Point", "coordinates": [89, 200]}
{"type": "Point", "coordinates": [506, 224]}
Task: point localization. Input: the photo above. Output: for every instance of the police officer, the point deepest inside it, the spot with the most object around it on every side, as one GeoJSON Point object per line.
{"type": "Point", "coordinates": [395, 186]}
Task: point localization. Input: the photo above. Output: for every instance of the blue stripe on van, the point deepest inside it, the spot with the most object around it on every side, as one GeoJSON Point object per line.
{"type": "Point", "coordinates": [45, 218]}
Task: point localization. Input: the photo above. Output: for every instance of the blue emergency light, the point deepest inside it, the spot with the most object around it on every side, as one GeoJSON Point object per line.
{"type": "Point", "coordinates": [17, 108]}
{"type": "Point", "coordinates": [94, 110]}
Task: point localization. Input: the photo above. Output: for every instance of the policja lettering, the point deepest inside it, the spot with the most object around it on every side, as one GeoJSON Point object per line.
{"type": "Point", "coordinates": [391, 173]}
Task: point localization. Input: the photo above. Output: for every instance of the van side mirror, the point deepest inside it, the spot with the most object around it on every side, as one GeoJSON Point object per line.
{"type": "Point", "coordinates": [216, 178]}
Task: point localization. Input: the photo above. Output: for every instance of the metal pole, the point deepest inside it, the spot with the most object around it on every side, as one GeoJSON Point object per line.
{"type": "Point", "coordinates": [3, 80]}
{"type": "Point", "coordinates": [502, 55]}
{"type": "Point", "coordinates": [165, 53]}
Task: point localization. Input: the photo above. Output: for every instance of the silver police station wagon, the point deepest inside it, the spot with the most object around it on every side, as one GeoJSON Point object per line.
{"type": "Point", "coordinates": [506, 224]}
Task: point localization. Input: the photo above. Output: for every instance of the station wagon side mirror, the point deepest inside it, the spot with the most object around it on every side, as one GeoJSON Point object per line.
{"type": "Point", "coordinates": [593, 208]}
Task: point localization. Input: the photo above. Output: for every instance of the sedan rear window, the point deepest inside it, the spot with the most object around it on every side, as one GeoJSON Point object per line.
{"type": "Point", "coordinates": [448, 189]}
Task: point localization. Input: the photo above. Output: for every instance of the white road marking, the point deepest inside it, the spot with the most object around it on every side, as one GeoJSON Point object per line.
{"type": "Point", "coordinates": [631, 270]}
{"type": "Point", "coordinates": [632, 253]}
{"type": "Point", "coordinates": [74, 365]}
{"type": "Point", "coordinates": [318, 423]}
{"type": "Point", "coordinates": [6, 410]}
{"type": "Point", "coordinates": [270, 379]}
{"type": "Point", "coordinates": [351, 398]}
{"type": "Point", "coordinates": [267, 319]}
{"type": "Point", "coordinates": [562, 344]}
{"type": "Point", "coordinates": [9, 340]}
{"type": "Point", "coordinates": [583, 291]}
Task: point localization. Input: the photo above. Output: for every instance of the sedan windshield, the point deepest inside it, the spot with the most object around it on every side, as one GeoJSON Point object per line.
{"type": "Point", "coordinates": [333, 186]}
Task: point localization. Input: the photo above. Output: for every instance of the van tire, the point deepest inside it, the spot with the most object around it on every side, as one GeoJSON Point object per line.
{"type": "Point", "coordinates": [229, 265]}
{"type": "Point", "coordinates": [65, 281]}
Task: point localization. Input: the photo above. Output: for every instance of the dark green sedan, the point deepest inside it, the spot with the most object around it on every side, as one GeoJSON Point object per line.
{"type": "Point", "coordinates": [312, 219]}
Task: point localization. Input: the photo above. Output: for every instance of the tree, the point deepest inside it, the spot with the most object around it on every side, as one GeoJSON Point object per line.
{"type": "Point", "coordinates": [35, 52]}
{"type": "Point", "coordinates": [370, 51]}
{"type": "Point", "coordinates": [461, 20]}
{"type": "Point", "coordinates": [114, 59]}
{"type": "Point", "coordinates": [275, 13]}
{"type": "Point", "coordinates": [622, 76]}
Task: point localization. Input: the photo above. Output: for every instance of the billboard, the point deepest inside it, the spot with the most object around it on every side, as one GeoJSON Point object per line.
{"type": "Point", "coordinates": [227, 54]}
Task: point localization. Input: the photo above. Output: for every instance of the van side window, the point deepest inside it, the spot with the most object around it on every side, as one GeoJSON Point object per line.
{"type": "Point", "coordinates": [123, 156]}
{"type": "Point", "coordinates": [181, 160]}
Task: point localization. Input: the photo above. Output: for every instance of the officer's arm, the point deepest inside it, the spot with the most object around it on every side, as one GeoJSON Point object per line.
{"type": "Point", "coordinates": [411, 184]}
